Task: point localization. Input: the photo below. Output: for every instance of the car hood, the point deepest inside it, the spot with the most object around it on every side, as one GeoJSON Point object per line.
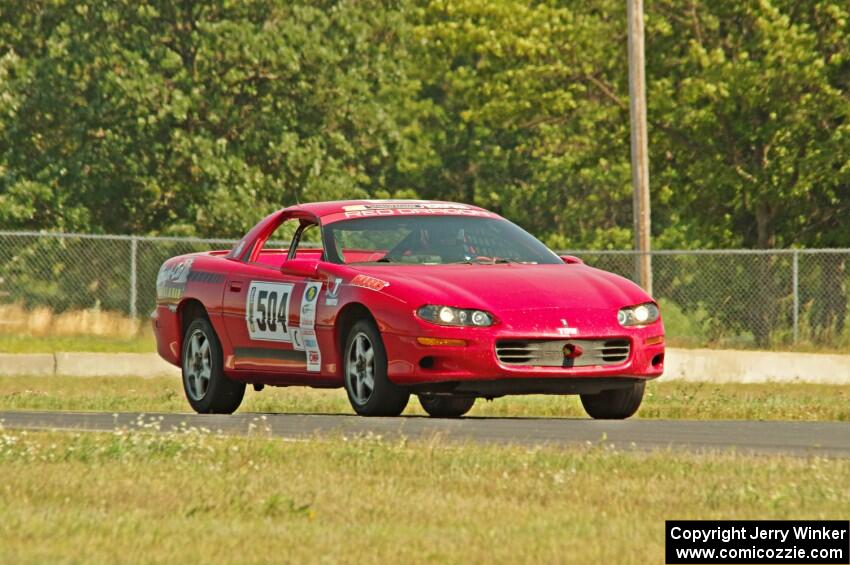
{"type": "Point", "coordinates": [509, 288]}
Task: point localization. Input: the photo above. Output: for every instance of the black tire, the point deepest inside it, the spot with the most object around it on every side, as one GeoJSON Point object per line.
{"type": "Point", "coordinates": [616, 404]}
{"type": "Point", "coordinates": [213, 393]}
{"type": "Point", "coordinates": [384, 398]}
{"type": "Point", "coordinates": [445, 406]}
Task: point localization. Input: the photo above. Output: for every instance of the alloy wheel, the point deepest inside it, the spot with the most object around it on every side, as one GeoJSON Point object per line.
{"type": "Point", "coordinates": [197, 365]}
{"type": "Point", "coordinates": [360, 368]}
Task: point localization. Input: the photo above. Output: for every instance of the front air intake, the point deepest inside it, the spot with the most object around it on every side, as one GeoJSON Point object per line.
{"type": "Point", "coordinates": [555, 352]}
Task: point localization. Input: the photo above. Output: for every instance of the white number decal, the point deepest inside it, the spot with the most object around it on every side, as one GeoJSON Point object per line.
{"type": "Point", "coordinates": [267, 311]}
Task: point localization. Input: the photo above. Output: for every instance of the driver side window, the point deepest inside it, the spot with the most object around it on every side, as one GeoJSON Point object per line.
{"type": "Point", "coordinates": [309, 245]}
{"type": "Point", "coordinates": [276, 248]}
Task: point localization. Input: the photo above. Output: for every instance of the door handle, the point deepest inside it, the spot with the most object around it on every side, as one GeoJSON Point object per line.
{"type": "Point", "coordinates": [235, 286]}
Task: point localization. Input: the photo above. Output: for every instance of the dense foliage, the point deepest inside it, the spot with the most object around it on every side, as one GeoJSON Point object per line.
{"type": "Point", "coordinates": [195, 117]}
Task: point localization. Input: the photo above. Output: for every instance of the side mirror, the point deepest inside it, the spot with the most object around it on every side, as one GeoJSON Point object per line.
{"type": "Point", "coordinates": [571, 260]}
{"type": "Point", "coordinates": [300, 267]}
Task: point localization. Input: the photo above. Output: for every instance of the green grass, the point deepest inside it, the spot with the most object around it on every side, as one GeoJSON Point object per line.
{"type": "Point", "coordinates": [176, 498]}
{"type": "Point", "coordinates": [11, 343]}
{"type": "Point", "coordinates": [797, 401]}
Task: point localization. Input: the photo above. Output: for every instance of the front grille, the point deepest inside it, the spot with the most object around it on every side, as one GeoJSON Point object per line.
{"type": "Point", "coordinates": [550, 352]}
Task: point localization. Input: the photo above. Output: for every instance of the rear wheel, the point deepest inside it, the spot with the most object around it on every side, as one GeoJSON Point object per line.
{"type": "Point", "coordinates": [369, 390]}
{"type": "Point", "coordinates": [446, 406]}
{"type": "Point", "coordinates": [207, 389]}
{"type": "Point", "coordinates": [616, 404]}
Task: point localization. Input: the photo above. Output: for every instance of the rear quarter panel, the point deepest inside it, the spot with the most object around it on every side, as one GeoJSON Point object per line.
{"type": "Point", "coordinates": [181, 281]}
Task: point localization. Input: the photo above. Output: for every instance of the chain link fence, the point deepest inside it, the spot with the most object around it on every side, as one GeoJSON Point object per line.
{"type": "Point", "coordinates": [719, 298]}
{"type": "Point", "coordinates": [743, 297]}
{"type": "Point", "coordinates": [75, 271]}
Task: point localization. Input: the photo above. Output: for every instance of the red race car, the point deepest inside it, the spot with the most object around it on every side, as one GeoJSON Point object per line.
{"type": "Point", "coordinates": [389, 298]}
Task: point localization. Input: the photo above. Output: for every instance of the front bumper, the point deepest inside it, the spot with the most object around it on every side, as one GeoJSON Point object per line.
{"type": "Point", "coordinates": [410, 363]}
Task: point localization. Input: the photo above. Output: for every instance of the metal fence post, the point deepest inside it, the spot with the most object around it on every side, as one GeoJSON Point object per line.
{"type": "Point", "coordinates": [134, 247]}
{"type": "Point", "coordinates": [795, 286]}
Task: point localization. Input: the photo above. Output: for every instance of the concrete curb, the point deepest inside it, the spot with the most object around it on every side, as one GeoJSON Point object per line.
{"type": "Point", "coordinates": [35, 364]}
{"type": "Point", "coordinates": [728, 365]}
{"type": "Point", "coordinates": [113, 365]}
{"type": "Point", "coordinates": [705, 365]}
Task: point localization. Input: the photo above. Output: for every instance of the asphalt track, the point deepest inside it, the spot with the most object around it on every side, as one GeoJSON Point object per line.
{"type": "Point", "coordinates": [794, 438]}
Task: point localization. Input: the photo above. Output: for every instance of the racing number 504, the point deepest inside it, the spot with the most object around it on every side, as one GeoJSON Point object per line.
{"type": "Point", "coordinates": [267, 311]}
{"type": "Point", "coordinates": [269, 315]}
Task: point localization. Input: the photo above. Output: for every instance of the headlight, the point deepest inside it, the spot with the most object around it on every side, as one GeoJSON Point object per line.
{"type": "Point", "coordinates": [448, 316]}
{"type": "Point", "coordinates": [639, 315]}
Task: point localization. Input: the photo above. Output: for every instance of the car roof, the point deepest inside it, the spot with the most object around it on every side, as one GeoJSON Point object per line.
{"type": "Point", "coordinates": [322, 209]}
{"type": "Point", "coordinates": [339, 210]}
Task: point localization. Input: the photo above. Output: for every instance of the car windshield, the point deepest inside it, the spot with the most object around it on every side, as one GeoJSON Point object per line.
{"type": "Point", "coordinates": [433, 240]}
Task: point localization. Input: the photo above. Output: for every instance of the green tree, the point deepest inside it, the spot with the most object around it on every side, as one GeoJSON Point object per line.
{"type": "Point", "coordinates": [193, 117]}
{"type": "Point", "coordinates": [750, 144]}
{"type": "Point", "coordinates": [524, 112]}
{"type": "Point", "coordinates": [750, 131]}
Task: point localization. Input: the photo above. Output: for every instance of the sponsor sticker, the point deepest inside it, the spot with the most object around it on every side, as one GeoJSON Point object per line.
{"type": "Point", "coordinates": [378, 205]}
{"type": "Point", "coordinates": [308, 304]}
{"type": "Point", "coordinates": [177, 272]}
{"type": "Point", "coordinates": [169, 293]}
{"type": "Point", "coordinates": [267, 311]}
{"type": "Point", "coordinates": [371, 283]}
{"type": "Point", "coordinates": [308, 322]}
{"type": "Point", "coordinates": [171, 279]}
{"type": "Point", "coordinates": [566, 330]}
{"type": "Point", "coordinates": [332, 295]}
{"type": "Point", "coordinates": [311, 293]}
{"type": "Point", "coordinates": [417, 212]}
{"type": "Point", "coordinates": [311, 347]}
{"type": "Point", "coordinates": [314, 360]}
{"type": "Point", "coordinates": [297, 339]}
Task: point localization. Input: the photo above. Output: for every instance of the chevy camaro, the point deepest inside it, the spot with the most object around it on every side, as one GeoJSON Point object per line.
{"type": "Point", "coordinates": [389, 298]}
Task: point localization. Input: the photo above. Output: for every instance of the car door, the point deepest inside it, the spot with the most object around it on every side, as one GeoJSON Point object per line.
{"type": "Point", "coordinates": [262, 310]}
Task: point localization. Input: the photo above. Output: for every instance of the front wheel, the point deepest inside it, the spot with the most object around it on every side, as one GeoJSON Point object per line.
{"type": "Point", "coordinates": [439, 406]}
{"type": "Point", "coordinates": [369, 390]}
{"type": "Point", "coordinates": [616, 404]}
{"type": "Point", "coordinates": [207, 389]}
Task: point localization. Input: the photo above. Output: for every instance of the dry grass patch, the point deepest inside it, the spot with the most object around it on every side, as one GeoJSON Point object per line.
{"type": "Point", "coordinates": [40, 322]}
{"type": "Point", "coordinates": [41, 330]}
